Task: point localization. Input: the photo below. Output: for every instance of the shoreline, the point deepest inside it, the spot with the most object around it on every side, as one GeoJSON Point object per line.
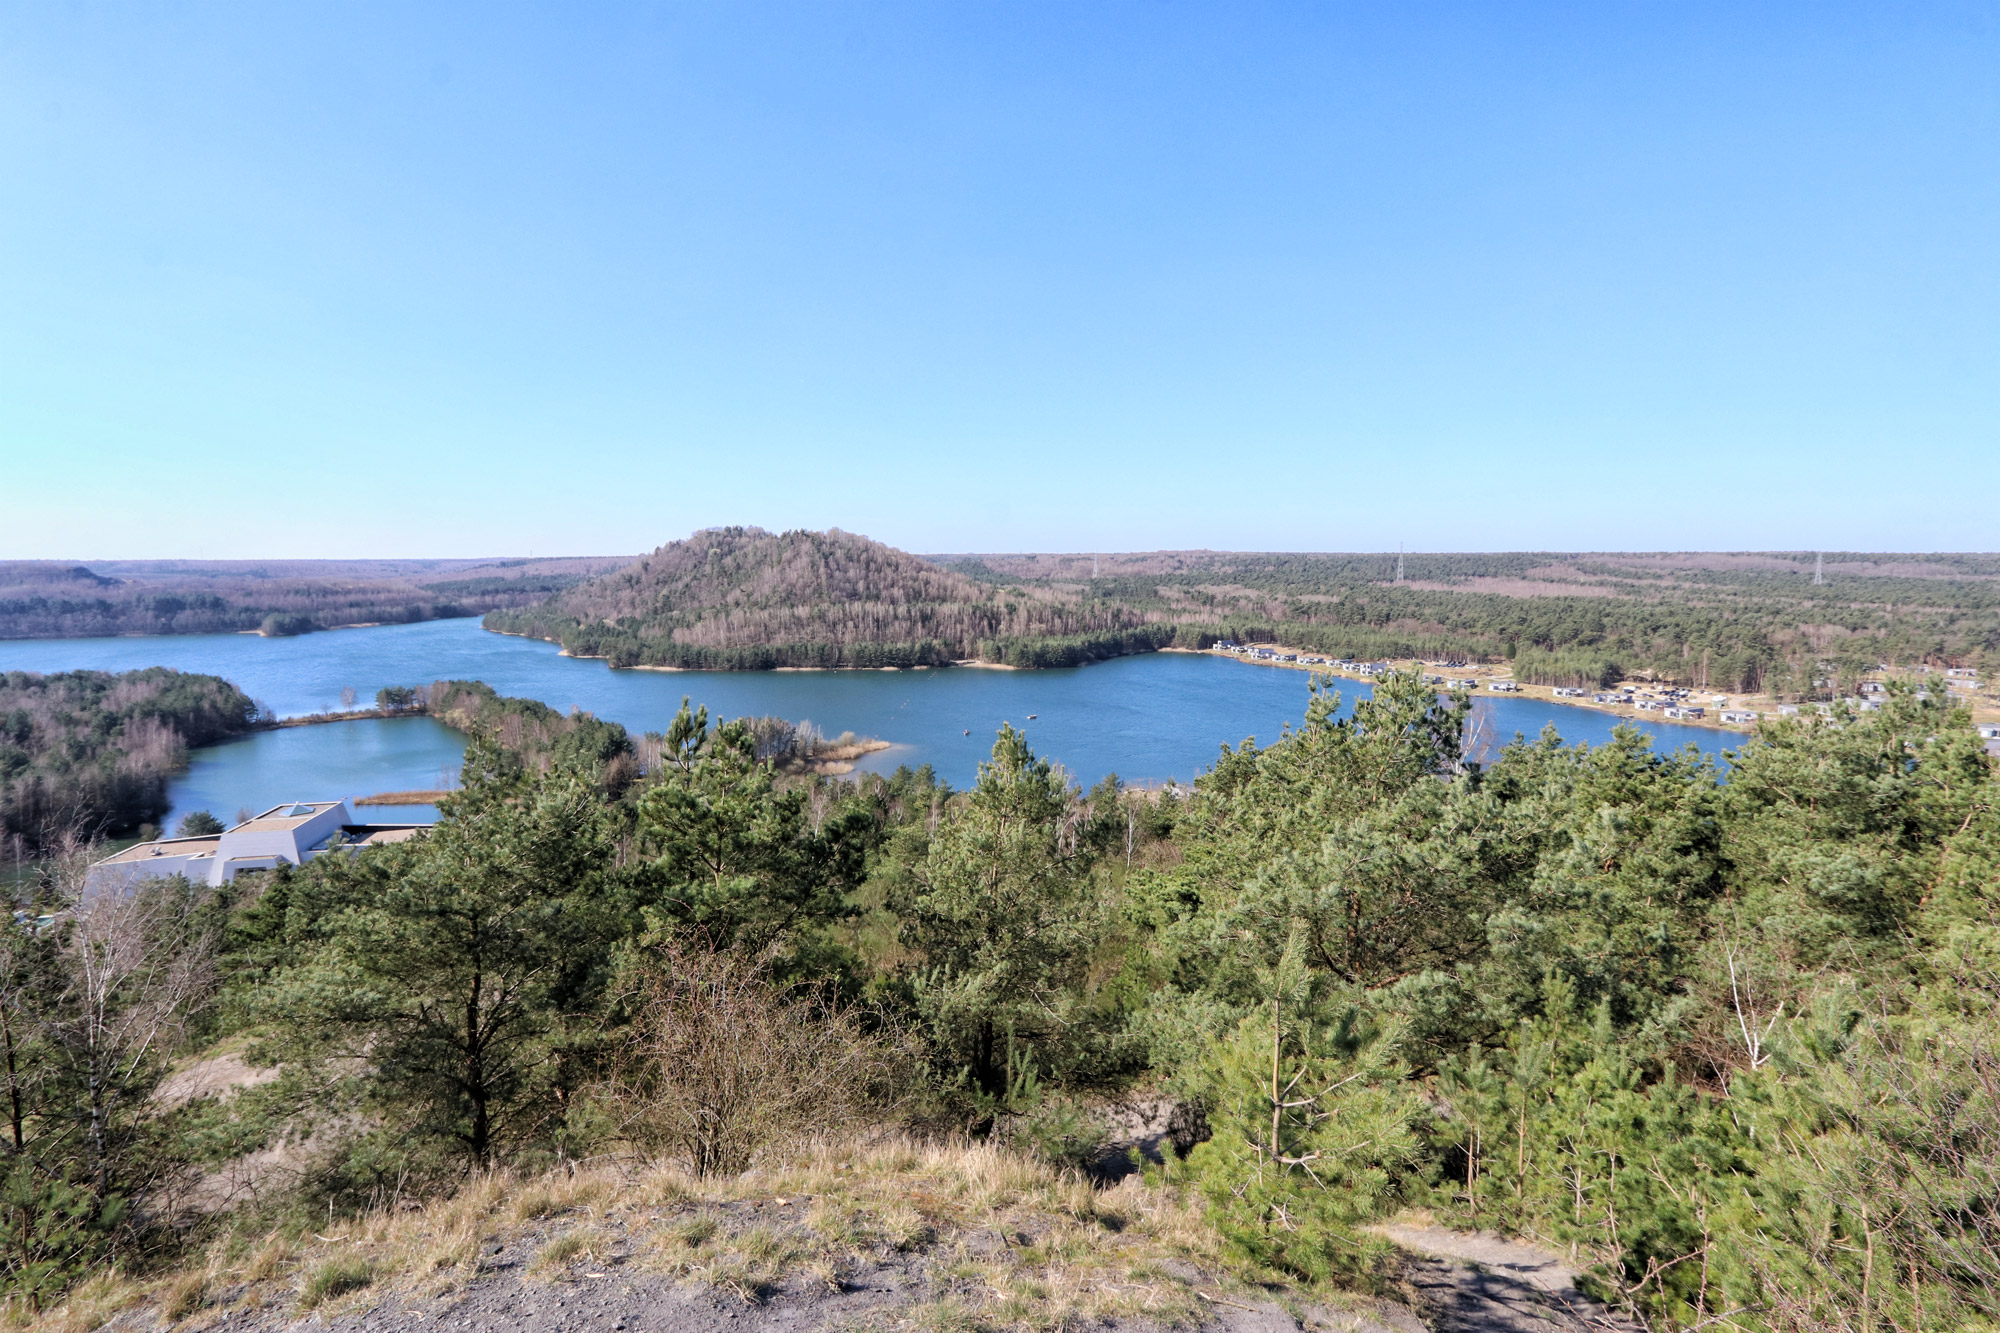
{"type": "Point", "coordinates": [351, 715]}
{"type": "Point", "coordinates": [424, 797]}
{"type": "Point", "coordinates": [835, 760]}
{"type": "Point", "coordinates": [751, 671]}
{"type": "Point", "coordinates": [1485, 672]}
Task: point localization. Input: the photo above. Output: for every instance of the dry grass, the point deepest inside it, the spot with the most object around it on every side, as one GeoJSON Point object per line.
{"type": "Point", "coordinates": [332, 1278]}
{"type": "Point", "coordinates": [1006, 1242]}
{"type": "Point", "coordinates": [184, 1295]}
{"type": "Point", "coordinates": [554, 1260]}
{"type": "Point", "coordinates": [91, 1303]}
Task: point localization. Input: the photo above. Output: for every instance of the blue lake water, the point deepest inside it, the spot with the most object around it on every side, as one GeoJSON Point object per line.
{"type": "Point", "coordinates": [313, 763]}
{"type": "Point", "coordinates": [1146, 718]}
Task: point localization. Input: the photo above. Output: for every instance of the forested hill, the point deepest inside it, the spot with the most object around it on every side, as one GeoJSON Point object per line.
{"type": "Point", "coordinates": [747, 598]}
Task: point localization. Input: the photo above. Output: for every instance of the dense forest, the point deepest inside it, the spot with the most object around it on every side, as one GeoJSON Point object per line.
{"type": "Point", "coordinates": [1799, 625]}
{"type": "Point", "coordinates": [735, 598]}
{"type": "Point", "coordinates": [1731, 1043]}
{"type": "Point", "coordinates": [534, 734]}
{"type": "Point", "coordinates": [1740, 622]}
{"type": "Point", "coordinates": [87, 754]}
{"type": "Point", "coordinates": [51, 599]}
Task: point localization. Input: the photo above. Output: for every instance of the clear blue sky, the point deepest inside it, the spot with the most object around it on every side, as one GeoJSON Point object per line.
{"type": "Point", "coordinates": [348, 280]}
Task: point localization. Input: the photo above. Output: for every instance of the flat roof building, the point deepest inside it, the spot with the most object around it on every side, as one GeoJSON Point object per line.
{"type": "Point", "coordinates": [285, 834]}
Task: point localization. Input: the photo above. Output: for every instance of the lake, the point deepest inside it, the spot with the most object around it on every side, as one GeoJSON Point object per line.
{"type": "Point", "coordinates": [1150, 718]}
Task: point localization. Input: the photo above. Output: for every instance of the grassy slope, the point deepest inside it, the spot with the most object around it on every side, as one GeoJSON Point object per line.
{"type": "Point", "coordinates": [957, 1236]}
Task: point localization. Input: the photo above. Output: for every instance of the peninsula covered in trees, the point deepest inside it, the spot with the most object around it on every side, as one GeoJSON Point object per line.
{"type": "Point", "coordinates": [745, 598]}
{"type": "Point", "coordinates": [87, 754]}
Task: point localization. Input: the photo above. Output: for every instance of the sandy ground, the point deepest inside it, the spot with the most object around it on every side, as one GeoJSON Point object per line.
{"type": "Point", "coordinates": [1477, 1282]}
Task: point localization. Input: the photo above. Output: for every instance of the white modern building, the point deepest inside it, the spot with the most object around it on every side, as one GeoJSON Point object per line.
{"type": "Point", "coordinates": [292, 834]}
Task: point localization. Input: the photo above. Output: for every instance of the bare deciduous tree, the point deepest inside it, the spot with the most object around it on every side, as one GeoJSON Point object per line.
{"type": "Point", "coordinates": [724, 1062]}
{"type": "Point", "coordinates": [138, 966]}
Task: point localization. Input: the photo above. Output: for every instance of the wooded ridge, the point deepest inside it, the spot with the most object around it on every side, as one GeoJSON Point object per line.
{"type": "Point", "coordinates": [734, 598]}
{"type": "Point", "coordinates": [46, 599]}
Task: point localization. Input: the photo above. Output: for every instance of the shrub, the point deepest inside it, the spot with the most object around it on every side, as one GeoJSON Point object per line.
{"type": "Point", "coordinates": [198, 824]}
{"type": "Point", "coordinates": [52, 1233]}
{"type": "Point", "coordinates": [724, 1061]}
{"type": "Point", "coordinates": [334, 1278]}
{"type": "Point", "coordinates": [1062, 1133]}
{"type": "Point", "coordinates": [1309, 1131]}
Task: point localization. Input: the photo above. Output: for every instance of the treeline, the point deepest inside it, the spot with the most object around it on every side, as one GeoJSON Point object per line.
{"type": "Point", "coordinates": [1077, 649]}
{"type": "Point", "coordinates": [1541, 666]}
{"type": "Point", "coordinates": [275, 613]}
{"type": "Point", "coordinates": [1740, 629]}
{"type": "Point", "coordinates": [1672, 641]}
{"type": "Point", "coordinates": [40, 600]}
{"type": "Point", "coordinates": [623, 647]}
{"type": "Point", "coordinates": [88, 754]}
{"type": "Point", "coordinates": [1351, 642]}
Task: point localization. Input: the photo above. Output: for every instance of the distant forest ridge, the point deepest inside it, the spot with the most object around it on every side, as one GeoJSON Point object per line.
{"type": "Point", "coordinates": [1797, 622]}
{"type": "Point", "coordinates": [46, 599]}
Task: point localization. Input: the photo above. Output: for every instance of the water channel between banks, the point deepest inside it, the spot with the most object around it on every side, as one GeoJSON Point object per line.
{"type": "Point", "coordinates": [1149, 718]}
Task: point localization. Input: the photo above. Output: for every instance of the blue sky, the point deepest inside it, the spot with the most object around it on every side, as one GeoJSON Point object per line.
{"type": "Point", "coordinates": [350, 280]}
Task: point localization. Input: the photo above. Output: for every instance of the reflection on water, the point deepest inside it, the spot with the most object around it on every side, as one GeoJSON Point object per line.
{"type": "Point", "coordinates": [1145, 718]}
{"type": "Point", "coordinates": [319, 763]}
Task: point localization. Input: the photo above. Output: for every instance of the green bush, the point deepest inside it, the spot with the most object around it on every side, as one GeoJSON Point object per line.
{"type": "Point", "coordinates": [52, 1234]}
{"type": "Point", "coordinates": [1062, 1133]}
{"type": "Point", "coordinates": [334, 1278]}
{"type": "Point", "coordinates": [198, 824]}
{"type": "Point", "coordinates": [1292, 1191]}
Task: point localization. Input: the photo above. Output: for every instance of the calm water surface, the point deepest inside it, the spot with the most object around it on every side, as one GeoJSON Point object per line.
{"type": "Point", "coordinates": [1146, 718]}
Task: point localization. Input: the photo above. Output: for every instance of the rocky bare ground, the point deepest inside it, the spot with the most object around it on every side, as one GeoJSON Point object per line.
{"type": "Point", "coordinates": [893, 1235]}
{"type": "Point", "coordinates": [623, 1284]}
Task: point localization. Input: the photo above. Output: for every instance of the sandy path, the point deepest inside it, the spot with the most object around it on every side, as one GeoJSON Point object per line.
{"type": "Point", "coordinates": [1476, 1282]}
